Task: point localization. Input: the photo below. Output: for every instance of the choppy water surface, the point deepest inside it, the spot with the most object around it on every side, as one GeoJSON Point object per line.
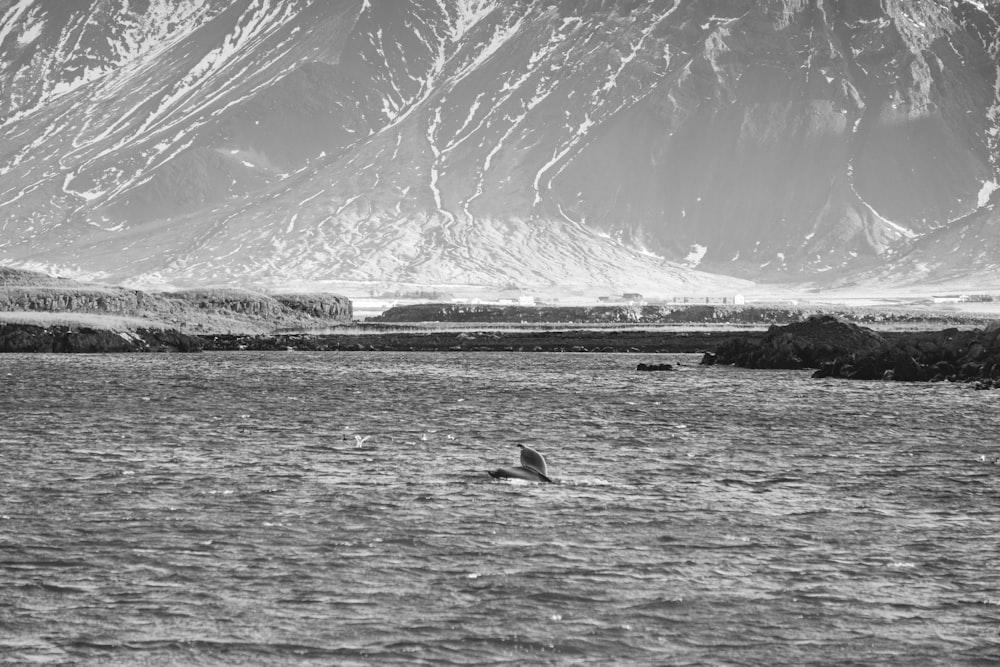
{"type": "Point", "coordinates": [216, 508]}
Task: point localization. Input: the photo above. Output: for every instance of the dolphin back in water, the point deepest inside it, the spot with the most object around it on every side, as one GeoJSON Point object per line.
{"type": "Point", "coordinates": [532, 468]}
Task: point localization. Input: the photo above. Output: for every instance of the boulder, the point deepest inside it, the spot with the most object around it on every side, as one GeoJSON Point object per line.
{"type": "Point", "coordinates": [809, 344]}
{"type": "Point", "coordinates": [906, 369]}
{"type": "Point", "coordinates": [654, 367]}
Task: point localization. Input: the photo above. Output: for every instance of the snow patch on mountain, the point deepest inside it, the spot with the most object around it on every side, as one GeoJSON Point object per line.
{"type": "Point", "coordinates": [476, 140]}
{"type": "Point", "coordinates": [695, 256]}
{"type": "Point", "coordinates": [9, 21]}
{"type": "Point", "coordinates": [986, 192]}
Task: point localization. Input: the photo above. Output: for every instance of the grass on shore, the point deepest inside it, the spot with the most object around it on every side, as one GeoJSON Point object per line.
{"type": "Point", "coordinates": [90, 320]}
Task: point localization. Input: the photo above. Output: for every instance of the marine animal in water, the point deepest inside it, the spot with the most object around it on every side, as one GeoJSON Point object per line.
{"type": "Point", "coordinates": [532, 468]}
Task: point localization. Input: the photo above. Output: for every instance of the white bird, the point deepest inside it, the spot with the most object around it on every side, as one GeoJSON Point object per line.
{"type": "Point", "coordinates": [361, 439]}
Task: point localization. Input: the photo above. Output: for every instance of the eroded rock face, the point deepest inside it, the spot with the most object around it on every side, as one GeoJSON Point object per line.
{"type": "Point", "coordinates": [34, 292]}
{"type": "Point", "coordinates": [320, 306]}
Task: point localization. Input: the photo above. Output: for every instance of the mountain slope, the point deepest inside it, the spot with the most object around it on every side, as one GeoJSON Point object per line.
{"type": "Point", "coordinates": [537, 142]}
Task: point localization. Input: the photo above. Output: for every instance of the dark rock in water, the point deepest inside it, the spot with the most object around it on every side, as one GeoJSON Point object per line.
{"type": "Point", "coordinates": [654, 367]}
{"type": "Point", "coordinates": [906, 369]}
{"type": "Point", "coordinates": [843, 350]}
{"type": "Point", "coordinates": [943, 368]}
{"type": "Point", "coordinates": [32, 338]}
{"type": "Point", "coordinates": [808, 344]}
{"type": "Point", "coordinates": [970, 371]}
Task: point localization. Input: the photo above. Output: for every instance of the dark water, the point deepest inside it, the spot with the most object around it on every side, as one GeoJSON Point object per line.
{"type": "Point", "coordinates": [216, 509]}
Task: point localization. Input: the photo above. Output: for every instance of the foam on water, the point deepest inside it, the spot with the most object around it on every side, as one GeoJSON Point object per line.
{"type": "Point", "coordinates": [717, 516]}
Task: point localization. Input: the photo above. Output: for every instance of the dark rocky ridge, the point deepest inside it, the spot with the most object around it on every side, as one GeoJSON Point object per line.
{"type": "Point", "coordinates": [571, 340]}
{"type": "Point", "coordinates": [807, 344]}
{"type": "Point", "coordinates": [31, 338]}
{"type": "Point", "coordinates": [844, 350]}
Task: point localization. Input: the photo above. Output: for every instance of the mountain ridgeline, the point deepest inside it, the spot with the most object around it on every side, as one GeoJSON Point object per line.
{"type": "Point", "coordinates": [645, 144]}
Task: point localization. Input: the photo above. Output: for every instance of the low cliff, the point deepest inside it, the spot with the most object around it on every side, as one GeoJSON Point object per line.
{"type": "Point", "coordinates": [282, 310]}
{"type": "Point", "coordinates": [191, 311]}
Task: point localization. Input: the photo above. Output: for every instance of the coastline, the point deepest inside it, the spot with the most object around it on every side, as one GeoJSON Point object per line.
{"type": "Point", "coordinates": [582, 338]}
{"type": "Point", "coordinates": [832, 347]}
{"type": "Point", "coordinates": [490, 340]}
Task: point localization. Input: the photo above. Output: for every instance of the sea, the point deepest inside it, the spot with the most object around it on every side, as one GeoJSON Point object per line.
{"type": "Point", "coordinates": [334, 508]}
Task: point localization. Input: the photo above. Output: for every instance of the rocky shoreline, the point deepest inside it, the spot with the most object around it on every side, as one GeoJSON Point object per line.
{"type": "Point", "coordinates": [844, 350]}
{"type": "Point", "coordinates": [489, 341]}
{"type": "Point", "coordinates": [33, 338]}
{"type": "Point", "coordinates": [833, 347]}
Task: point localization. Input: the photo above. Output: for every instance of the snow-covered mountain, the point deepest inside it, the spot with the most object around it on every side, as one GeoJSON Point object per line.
{"type": "Point", "coordinates": [679, 144]}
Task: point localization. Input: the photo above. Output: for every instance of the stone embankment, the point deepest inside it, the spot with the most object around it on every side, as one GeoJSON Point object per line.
{"type": "Point", "coordinates": [844, 350]}
{"type": "Point", "coordinates": [32, 338]}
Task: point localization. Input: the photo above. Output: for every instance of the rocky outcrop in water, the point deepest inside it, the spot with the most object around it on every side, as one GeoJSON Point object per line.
{"type": "Point", "coordinates": [952, 354]}
{"type": "Point", "coordinates": [807, 344]}
{"type": "Point", "coordinates": [32, 338]}
{"type": "Point", "coordinates": [843, 350]}
{"type": "Point", "coordinates": [654, 367]}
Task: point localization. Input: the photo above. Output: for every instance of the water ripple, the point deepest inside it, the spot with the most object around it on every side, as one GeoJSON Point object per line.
{"type": "Point", "coordinates": [334, 508]}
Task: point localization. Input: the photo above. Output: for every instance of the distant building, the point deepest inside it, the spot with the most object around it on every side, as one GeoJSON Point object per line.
{"type": "Point", "coordinates": [526, 300]}
{"type": "Point", "coordinates": [738, 299]}
{"type": "Point", "coordinates": [632, 296]}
